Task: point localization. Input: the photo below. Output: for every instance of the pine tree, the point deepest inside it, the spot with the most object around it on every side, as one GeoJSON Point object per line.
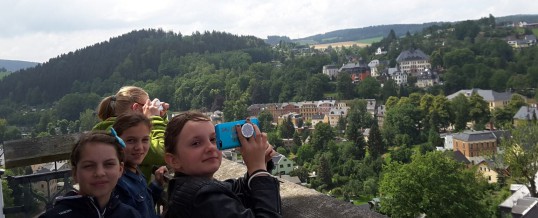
{"type": "Point", "coordinates": [375, 142]}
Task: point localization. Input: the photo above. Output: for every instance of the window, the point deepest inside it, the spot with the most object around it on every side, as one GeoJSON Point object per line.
{"type": "Point", "coordinates": [289, 165]}
{"type": "Point", "coordinates": [489, 178]}
{"type": "Point", "coordinates": [281, 165]}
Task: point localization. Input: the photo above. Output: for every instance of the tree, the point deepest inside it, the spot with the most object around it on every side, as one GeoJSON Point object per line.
{"type": "Point", "coordinates": [460, 107]}
{"type": "Point", "coordinates": [323, 133]}
{"type": "Point", "coordinates": [287, 129]}
{"type": "Point", "coordinates": [375, 142]}
{"type": "Point", "coordinates": [265, 118]}
{"type": "Point", "coordinates": [369, 88]}
{"type": "Point", "coordinates": [70, 106]}
{"type": "Point", "coordinates": [479, 111]}
{"type": "Point", "coordinates": [389, 89]}
{"type": "Point", "coordinates": [430, 185]}
{"type": "Point", "coordinates": [324, 171]}
{"type": "Point", "coordinates": [87, 120]}
{"type": "Point", "coordinates": [344, 87]}
{"type": "Point", "coordinates": [521, 155]}
{"type": "Point", "coordinates": [402, 119]}
{"type": "Point", "coordinates": [297, 139]}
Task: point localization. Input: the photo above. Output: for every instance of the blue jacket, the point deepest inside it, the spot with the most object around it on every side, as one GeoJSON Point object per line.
{"type": "Point", "coordinates": [75, 205]}
{"type": "Point", "coordinates": [134, 191]}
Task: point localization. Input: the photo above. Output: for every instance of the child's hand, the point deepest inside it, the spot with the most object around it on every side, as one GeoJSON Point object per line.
{"type": "Point", "coordinates": [269, 153]}
{"type": "Point", "coordinates": [165, 108]}
{"type": "Point", "coordinates": [253, 149]}
{"type": "Point", "coordinates": [151, 108]}
{"type": "Point", "coordinates": [159, 175]}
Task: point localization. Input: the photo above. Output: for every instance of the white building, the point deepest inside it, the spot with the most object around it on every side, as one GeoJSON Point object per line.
{"type": "Point", "coordinates": [399, 77]}
{"type": "Point", "coordinates": [283, 165]}
{"type": "Point", "coordinates": [374, 72]}
{"type": "Point", "coordinates": [413, 61]}
{"type": "Point", "coordinates": [380, 51]}
{"type": "Point", "coordinates": [331, 71]}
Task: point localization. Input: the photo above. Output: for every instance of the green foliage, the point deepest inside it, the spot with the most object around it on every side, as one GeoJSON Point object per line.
{"type": "Point", "coordinates": [401, 119]}
{"type": "Point", "coordinates": [460, 106]}
{"type": "Point", "coordinates": [432, 184]}
{"type": "Point", "coordinates": [344, 87]}
{"type": "Point", "coordinates": [266, 119]}
{"type": "Point", "coordinates": [70, 106]}
{"type": "Point", "coordinates": [521, 154]}
{"type": "Point", "coordinates": [479, 110]}
{"type": "Point", "coordinates": [323, 133]}
{"type": "Point", "coordinates": [287, 129]}
{"type": "Point", "coordinates": [376, 147]}
{"type": "Point", "coordinates": [369, 88]}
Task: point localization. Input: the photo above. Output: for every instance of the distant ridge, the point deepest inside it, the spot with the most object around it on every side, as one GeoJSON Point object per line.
{"type": "Point", "coordinates": [14, 65]}
{"type": "Point", "coordinates": [356, 34]}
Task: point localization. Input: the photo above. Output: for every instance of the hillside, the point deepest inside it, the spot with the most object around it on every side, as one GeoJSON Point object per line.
{"type": "Point", "coordinates": [135, 56]}
{"type": "Point", "coordinates": [356, 34]}
{"type": "Point", "coordinates": [14, 65]}
{"type": "Point", "coordinates": [364, 33]}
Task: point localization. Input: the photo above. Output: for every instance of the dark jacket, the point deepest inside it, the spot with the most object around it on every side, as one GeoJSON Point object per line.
{"type": "Point", "coordinates": [74, 205]}
{"type": "Point", "coordinates": [134, 191]}
{"type": "Point", "coordinates": [201, 197]}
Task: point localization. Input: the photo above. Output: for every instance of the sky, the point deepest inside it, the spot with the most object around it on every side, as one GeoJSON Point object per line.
{"type": "Point", "coordinates": [37, 30]}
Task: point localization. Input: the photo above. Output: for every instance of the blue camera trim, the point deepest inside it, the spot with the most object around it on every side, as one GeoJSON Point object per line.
{"type": "Point", "coordinates": [227, 135]}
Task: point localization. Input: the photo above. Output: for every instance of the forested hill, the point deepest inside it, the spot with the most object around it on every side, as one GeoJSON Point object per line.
{"type": "Point", "coordinates": [135, 56]}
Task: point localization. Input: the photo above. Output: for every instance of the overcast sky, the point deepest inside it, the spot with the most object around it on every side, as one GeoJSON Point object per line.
{"type": "Point", "coordinates": [37, 30]}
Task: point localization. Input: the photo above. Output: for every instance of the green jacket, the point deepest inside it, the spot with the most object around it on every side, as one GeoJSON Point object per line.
{"type": "Point", "coordinates": [155, 156]}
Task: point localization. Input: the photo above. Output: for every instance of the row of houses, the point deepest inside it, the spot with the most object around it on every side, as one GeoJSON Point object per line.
{"type": "Point", "coordinates": [412, 62]}
{"type": "Point", "coordinates": [326, 111]}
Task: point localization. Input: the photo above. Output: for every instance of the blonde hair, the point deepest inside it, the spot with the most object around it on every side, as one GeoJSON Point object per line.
{"type": "Point", "coordinates": [120, 103]}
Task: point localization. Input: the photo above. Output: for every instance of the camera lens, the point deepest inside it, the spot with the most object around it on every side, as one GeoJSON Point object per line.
{"type": "Point", "coordinates": [247, 130]}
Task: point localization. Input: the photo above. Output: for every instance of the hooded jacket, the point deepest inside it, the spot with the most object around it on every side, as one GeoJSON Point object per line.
{"type": "Point", "coordinates": [155, 156]}
{"type": "Point", "coordinates": [75, 205]}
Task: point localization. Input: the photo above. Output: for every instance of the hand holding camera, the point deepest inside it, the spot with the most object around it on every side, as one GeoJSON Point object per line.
{"type": "Point", "coordinates": [155, 108]}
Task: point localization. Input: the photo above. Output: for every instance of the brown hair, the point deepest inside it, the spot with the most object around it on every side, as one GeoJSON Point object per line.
{"type": "Point", "coordinates": [128, 120]}
{"type": "Point", "coordinates": [91, 138]}
{"type": "Point", "coordinates": [175, 126]}
{"type": "Point", "coordinates": [113, 106]}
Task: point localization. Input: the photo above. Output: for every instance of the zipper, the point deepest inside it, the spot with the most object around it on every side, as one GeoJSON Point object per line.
{"type": "Point", "coordinates": [101, 215]}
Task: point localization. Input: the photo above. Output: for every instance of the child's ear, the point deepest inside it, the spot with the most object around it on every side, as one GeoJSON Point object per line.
{"type": "Point", "coordinates": [172, 160]}
{"type": "Point", "coordinates": [74, 172]}
{"type": "Point", "coordinates": [121, 167]}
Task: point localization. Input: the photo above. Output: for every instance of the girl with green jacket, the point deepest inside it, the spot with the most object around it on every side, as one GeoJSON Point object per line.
{"type": "Point", "coordinates": [132, 98]}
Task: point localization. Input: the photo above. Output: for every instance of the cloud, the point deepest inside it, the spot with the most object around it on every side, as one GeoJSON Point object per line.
{"type": "Point", "coordinates": [36, 30]}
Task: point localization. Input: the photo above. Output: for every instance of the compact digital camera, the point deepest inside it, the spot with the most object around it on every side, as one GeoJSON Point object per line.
{"type": "Point", "coordinates": [227, 135]}
{"type": "Point", "coordinates": [158, 102]}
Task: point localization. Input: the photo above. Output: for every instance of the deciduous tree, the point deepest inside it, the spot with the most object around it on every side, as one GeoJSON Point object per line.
{"type": "Point", "coordinates": [435, 185]}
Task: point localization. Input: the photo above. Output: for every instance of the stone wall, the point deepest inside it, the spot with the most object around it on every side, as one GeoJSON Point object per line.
{"type": "Point", "coordinates": [299, 201]}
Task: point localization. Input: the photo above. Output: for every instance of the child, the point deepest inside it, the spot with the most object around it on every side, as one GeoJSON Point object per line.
{"type": "Point", "coordinates": [134, 129]}
{"type": "Point", "coordinates": [192, 152]}
{"type": "Point", "coordinates": [129, 99]}
{"type": "Point", "coordinates": [97, 165]}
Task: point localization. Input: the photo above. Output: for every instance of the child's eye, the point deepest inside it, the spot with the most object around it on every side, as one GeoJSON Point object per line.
{"type": "Point", "coordinates": [131, 141]}
{"type": "Point", "coordinates": [195, 143]}
{"type": "Point", "coordinates": [213, 140]}
{"type": "Point", "coordinates": [145, 140]}
{"type": "Point", "coordinates": [87, 166]}
{"type": "Point", "coordinates": [110, 164]}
